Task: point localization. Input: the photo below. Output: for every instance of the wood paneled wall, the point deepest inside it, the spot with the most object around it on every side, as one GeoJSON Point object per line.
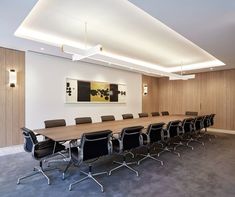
{"type": "Point", "coordinates": [12, 100]}
{"type": "Point", "coordinates": [211, 92]}
{"type": "Point", "coordinates": [150, 101]}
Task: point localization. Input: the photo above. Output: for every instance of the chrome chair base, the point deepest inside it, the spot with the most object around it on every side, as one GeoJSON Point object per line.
{"type": "Point", "coordinates": [166, 149]}
{"type": "Point", "coordinates": [195, 140]}
{"type": "Point", "coordinates": [182, 144]}
{"type": "Point", "coordinates": [91, 176]}
{"type": "Point", "coordinates": [208, 135]}
{"type": "Point", "coordinates": [132, 154]}
{"type": "Point", "coordinates": [151, 157]}
{"type": "Point", "coordinates": [124, 164]}
{"type": "Point", "coordinates": [36, 170]}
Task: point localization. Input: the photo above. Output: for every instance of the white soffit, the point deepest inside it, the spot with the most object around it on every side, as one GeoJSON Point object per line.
{"type": "Point", "coordinates": [124, 31]}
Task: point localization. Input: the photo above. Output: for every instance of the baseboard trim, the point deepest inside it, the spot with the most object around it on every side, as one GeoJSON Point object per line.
{"type": "Point", "coordinates": [222, 131]}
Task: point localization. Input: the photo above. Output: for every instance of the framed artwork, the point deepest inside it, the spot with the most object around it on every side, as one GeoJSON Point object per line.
{"type": "Point", "coordinates": [94, 92]}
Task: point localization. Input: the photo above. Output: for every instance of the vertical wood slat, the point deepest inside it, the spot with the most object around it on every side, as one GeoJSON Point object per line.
{"type": "Point", "coordinates": [12, 110]}
{"type": "Point", "coordinates": [2, 98]}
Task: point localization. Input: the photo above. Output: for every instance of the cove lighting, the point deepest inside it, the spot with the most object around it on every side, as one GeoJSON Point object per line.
{"type": "Point", "coordinates": [96, 53]}
{"type": "Point", "coordinates": [208, 64]}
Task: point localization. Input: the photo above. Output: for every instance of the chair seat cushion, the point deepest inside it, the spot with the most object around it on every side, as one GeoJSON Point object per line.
{"type": "Point", "coordinates": [46, 148]}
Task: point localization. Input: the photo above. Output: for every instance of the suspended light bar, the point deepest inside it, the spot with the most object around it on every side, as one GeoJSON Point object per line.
{"type": "Point", "coordinates": [79, 54]}
{"type": "Point", "coordinates": [182, 77]}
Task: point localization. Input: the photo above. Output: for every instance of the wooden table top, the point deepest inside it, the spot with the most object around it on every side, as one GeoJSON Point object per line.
{"type": "Point", "coordinates": [76, 131]}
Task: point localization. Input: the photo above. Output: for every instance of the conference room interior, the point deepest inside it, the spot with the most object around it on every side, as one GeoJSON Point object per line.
{"type": "Point", "coordinates": [117, 98]}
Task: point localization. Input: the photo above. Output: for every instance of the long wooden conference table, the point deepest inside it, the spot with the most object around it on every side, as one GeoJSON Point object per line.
{"type": "Point", "coordinates": [67, 133]}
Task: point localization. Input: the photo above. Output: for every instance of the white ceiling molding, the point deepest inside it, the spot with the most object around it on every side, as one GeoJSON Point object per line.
{"type": "Point", "coordinates": [129, 36]}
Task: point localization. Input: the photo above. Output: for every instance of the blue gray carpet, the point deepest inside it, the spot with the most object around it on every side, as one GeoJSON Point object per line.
{"type": "Point", "coordinates": [205, 172]}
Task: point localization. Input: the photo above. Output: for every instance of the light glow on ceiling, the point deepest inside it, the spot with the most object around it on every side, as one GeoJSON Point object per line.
{"type": "Point", "coordinates": [135, 41]}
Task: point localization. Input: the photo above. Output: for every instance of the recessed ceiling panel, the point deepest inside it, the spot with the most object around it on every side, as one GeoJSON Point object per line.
{"type": "Point", "coordinates": [119, 26]}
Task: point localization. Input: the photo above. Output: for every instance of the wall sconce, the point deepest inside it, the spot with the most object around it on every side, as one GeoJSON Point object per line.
{"type": "Point", "coordinates": [12, 78]}
{"type": "Point", "coordinates": [145, 89]}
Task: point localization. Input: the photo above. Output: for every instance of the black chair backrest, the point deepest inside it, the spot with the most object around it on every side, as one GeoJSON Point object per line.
{"type": "Point", "coordinates": [54, 123]}
{"type": "Point", "coordinates": [173, 128]}
{"type": "Point", "coordinates": [131, 137]}
{"type": "Point", "coordinates": [107, 118]}
{"type": "Point", "coordinates": [212, 116]}
{"type": "Point", "coordinates": [155, 114]}
{"type": "Point", "coordinates": [127, 116]}
{"type": "Point", "coordinates": [95, 144]}
{"type": "Point", "coordinates": [206, 121]}
{"type": "Point", "coordinates": [165, 113]}
{"type": "Point", "coordinates": [191, 113]}
{"type": "Point", "coordinates": [30, 139]}
{"type": "Point", "coordinates": [83, 120]}
{"type": "Point", "coordinates": [154, 131]}
{"type": "Point", "coordinates": [188, 125]}
{"type": "Point", "coordinates": [143, 115]}
{"type": "Point", "coordinates": [199, 123]}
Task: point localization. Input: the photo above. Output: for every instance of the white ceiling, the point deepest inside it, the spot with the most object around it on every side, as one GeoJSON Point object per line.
{"type": "Point", "coordinates": [127, 43]}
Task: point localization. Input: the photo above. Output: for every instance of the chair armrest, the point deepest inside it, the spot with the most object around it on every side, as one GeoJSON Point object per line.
{"type": "Point", "coordinates": [165, 135]}
{"type": "Point", "coordinates": [115, 141]}
{"type": "Point", "coordinates": [145, 137]}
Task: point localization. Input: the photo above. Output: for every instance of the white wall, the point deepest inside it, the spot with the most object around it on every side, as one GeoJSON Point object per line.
{"type": "Point", "coordinates": [45, 90]}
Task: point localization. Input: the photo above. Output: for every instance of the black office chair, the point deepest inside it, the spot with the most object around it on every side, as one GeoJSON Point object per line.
{"type": "Point", "coordinates": [107, 118]}
{"type": "Point", "coordinates": [185, 131]}
{"type": "Point", "coordinates": [40, 151]}
{"type": "Point", "coordinates": [168, 137]}
{"type": "Point", "coordinates": [83, 120]}
{"type": "Point", "coordinates": [191, 113]}
{"type": "Point", "coordinates": [143, 115]}
{"type": "Point", "coordinates": [93, 146]}
{"type": "Point", "coordinates": [57, 123]}
{"type": "Point", "coordinates": [211, 123]}
{"type": "Point", "coordinates": [155, 114]}
{"type": "Point", "coordinates": [212, 117]}
{"type": "Point", "coordinates": [165, 113]}
{"type": "Point", "coordinates": [127, 116]}
{"type": "Point", "coordinates": [151, 137]}
{"type": "Point", "coordinates": [130, 138]}
{"type": "Point", "coordinates": [207, 123]}
{"type": "Point", "coordinates": [197, 127]}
